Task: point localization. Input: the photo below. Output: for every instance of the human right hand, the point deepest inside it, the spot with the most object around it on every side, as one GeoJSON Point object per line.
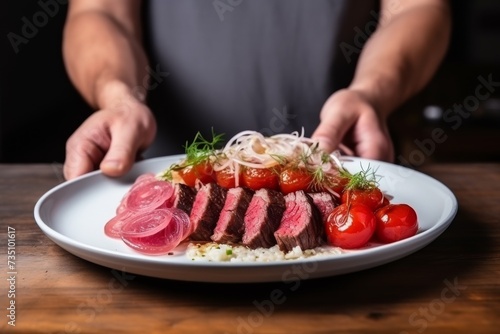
{"type": "Point", "coordinates": [110, 139]}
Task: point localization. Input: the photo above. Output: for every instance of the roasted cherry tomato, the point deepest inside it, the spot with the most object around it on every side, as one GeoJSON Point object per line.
{"type": "Point", "coordinates": [335, 182]}
{"type": "Point", "coordinates": [385, 202]}
{"type": "Point", "coordinates": [225, 178]}
{"type": "Point", "coordinates": [294, 179]}
{"type": "Point", "coordinates": [350, 226]}
{"type": "Point", "coordinates": [202, 172]}
{"type": "Point", "coordinates": [396, 222]}
{"type": "Point", "coordinates": [257, 178]}
{"type": "Point", "coordinates": [371, 197]}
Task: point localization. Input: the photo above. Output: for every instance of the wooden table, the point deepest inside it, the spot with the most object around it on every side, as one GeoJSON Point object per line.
{"type": "Point", "coordinates": [450, 286]}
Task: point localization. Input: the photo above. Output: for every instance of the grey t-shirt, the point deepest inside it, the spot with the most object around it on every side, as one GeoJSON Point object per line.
{"type": "Point", "coordinates": [233, 65]}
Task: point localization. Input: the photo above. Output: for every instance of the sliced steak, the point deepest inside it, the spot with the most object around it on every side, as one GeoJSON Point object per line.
{"type": "Point", "coordinates": [205, 212]}
{"type": "Point", "coordinates": [231, 225]}
{"type": "Point", "coordinates": [301, 224]}
{"type": "Point", "coordinates": [183, 197]}
{"type": "Point", "coordinates": [262, 218]}
{"type": "Point", "coordinates": [325, 202]}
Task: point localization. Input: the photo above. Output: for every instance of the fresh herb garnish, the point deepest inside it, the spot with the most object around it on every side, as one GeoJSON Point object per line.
{"type": "Point", "coordinates": [199, 151]}
{"type": "Point", "coordinates": [320, 178]}
{"type": "Point", "coordinates": [364, 179]}
{"type": "Point", "coordinates": [281, 159]}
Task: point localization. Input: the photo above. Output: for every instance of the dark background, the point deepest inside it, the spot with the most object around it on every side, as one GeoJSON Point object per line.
{"type": "Point", "coordinates": [39, 108]}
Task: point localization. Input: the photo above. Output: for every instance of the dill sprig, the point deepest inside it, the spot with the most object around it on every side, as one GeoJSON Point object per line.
{"type": "Point", "coordinates": [364, 179]}
{"type": "Point", "coordinates": [201, 149]}
{"type": "Point", "coordinates": [318, 174]}
{"type": "Point", "coordinates": [198, 151]}
{"type": "Point", "coordinates": [280, 159]}
{"type": "Point", "coordinates": [318, 177]}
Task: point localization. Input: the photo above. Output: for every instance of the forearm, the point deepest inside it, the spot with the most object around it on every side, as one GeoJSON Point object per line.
{"type": "Point", "coordinates": [103, 57]}
{"type": "Point", "coordinates": [402, 55]}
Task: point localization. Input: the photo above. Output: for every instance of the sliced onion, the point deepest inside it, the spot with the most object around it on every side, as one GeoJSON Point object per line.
{"type": "Point", "coordinates": [252, 149]}
{"type": "Point", "coordinates": [146, 177]}
{"type": "Point", "coordinates": [183, 219]}
{"type": "Point", "coordinates": [156, 232]}
{"type": "Point", "coordinates": [113, 227]}
{"type": "Point", "coordinates": [139, 181]}
{"type": "Point", "coordinates": [149, 196]}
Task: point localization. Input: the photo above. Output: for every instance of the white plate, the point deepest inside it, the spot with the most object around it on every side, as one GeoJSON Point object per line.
{"type": "Point", "coordinates": [73, 215]}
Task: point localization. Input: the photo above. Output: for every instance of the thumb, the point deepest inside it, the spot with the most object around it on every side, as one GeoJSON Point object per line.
{"type": "Point", "coordinates": [121, 154]}
{"type": "Point", "coordinates": [117, 162]}
{"type": "Point", "coordinates": [331, 130]}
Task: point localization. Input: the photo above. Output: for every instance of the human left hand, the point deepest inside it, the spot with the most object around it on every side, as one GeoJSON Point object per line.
{"type": "Point", "coordinates": [349, 122]}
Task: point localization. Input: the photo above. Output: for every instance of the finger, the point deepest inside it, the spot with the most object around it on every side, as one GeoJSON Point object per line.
{"type": "Point", "coordinates": [118, 160]}
{"type": "Point", "coordinates": [332, 129]}
{"type": "Point", "coordinates": [379, 147]}
{"type": "Point", "coordinates": [374, 141]}
{"type": "Point", "coordinates": [124, 148]}
{"type": "Point", "coordinates": [82, 156]}
{"type": "Point", "coordinates": [346, 150]}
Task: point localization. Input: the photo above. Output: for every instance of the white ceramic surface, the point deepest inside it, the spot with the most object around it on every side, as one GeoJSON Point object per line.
{"type": "Point", "coordinates": [73, 215]}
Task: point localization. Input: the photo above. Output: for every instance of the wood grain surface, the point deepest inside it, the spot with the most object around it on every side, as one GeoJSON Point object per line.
{"type": "Point", "coordinates": [450, 286]}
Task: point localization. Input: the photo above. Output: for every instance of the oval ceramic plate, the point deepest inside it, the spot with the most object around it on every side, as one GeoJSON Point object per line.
{"type": "Point", "coordinates": [73, 215]}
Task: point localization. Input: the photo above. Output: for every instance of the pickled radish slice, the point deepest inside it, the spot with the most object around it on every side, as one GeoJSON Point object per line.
{"type": "Point", "coordinates": [148, 196]}
{"type": "Point", "coordinates": [154, 233]}
{"type": "Point", "coordinates": [113, 227]}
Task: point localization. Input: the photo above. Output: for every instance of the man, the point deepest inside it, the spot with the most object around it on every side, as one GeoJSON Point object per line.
{"type": "Point", "coordinates": [235, 65]}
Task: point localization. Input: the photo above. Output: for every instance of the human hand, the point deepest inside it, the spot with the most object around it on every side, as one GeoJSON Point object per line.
{"type": "Point", "coordinates": [110, 139]}
{"type": "Point", "coordinates": [350, 123]}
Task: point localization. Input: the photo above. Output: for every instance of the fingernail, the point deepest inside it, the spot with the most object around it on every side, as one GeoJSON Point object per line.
{"type": "Point", "coordinates": [112, 164]}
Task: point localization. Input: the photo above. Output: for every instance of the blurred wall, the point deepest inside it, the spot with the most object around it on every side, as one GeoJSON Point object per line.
{"type": "Point", "coordinates": [456, 118]}
{"type": "Point", "coordinates": [39, 107]}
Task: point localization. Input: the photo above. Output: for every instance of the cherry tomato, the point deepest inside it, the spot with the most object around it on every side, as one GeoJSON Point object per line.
{"type": "Point", "coordinates": [202, 172]}
{"type": "Point", "coordinates": [371, 197]}
{"type": "Point", "coordinates": [336, 183]}
{"type": "Point", "coordinates": [350, 226]}
{"type": "Point", "coordinates": [294, 179]}
{"type": "Point", "coordinates": [188, 175]}
{"type": "Point", "coordinates": [257, 178]}
{"type": "Point", "coordinates": [225, 178]}
{"type": "Point", "coordinates": [385, 202]}
{"type": "Point", "coordinates": [396, 222]}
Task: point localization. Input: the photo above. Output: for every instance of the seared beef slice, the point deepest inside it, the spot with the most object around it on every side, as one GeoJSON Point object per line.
{"type": "Point", "coordinates": [183, 197]}
{"type": "Point", "coordinates": [262, 218]}
{"type": "Point", "coordinates": [207, 206]}
{"type": "Point", "coordinates": [301, 224]}
{"type": "Point", "coordinates": [230, 226]}
{"type": "Point", "coordinates": [325, 203]}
